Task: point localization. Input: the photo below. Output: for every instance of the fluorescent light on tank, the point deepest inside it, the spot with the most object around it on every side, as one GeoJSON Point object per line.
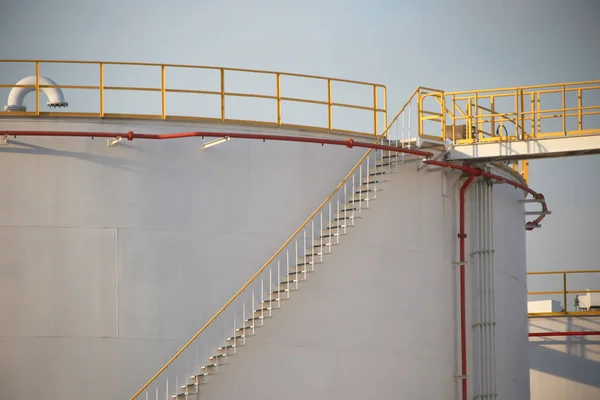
{"type": "Point", "coordinates": [214, 142]}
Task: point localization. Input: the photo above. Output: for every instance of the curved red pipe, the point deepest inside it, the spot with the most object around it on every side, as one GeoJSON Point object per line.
{"type": "Point", "coordinates": [472, 172]}
{"type": "Point", "coordinates": [574, 333]}
{"type": "Point", "coordinates": [477, 172]}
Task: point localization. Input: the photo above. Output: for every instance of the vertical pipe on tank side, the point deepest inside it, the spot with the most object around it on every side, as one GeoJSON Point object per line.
{"type": "Point", "coordinates": [492, 283]}
{"type": "Point", "coordinates": [463, 330]}
{"type": "Point", "coordinates": [480, 294]}
{"type": "Point", "coordinates": [486, 290]}
{"type": "Point", "coordinates": [485, 369]}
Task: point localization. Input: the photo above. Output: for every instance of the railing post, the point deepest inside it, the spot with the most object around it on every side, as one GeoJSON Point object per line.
{"type": "Point", "coordinates": [522, 100]}
{"type": "Point", "coordinates": [329, 105]}
{"type": "Point", "coordinates": [565, 290]}
{"type": "Point", "coordinates": [163, 92]}
{"type": "Point", "coordinates": [419, 114]}
{"type": "Point", "coordinates": [453, 115]}
{"type": "Point", "coordinates": [579, 111]}
{"type": "Point", "coordinates": [101, 90]}
{"type": "Point", "coordinates": [375, 110]}
{"type": "Point", "coordinates": [476, 115]}
{"type": "Point", "coordinates": [385, 109]}
{"type": "Point", "coordinates": [517, 133]}
{"type": "Point", "coordinates": [443, 117]}
{"type": "Point", "coordinates": [493, 108]}
{"type": "Point", "coordinates": [469, 122]}
{"type": "Point", "coordinates": [564, 116]}
{"type": "Point", "coordinates": [222, 94]}
{"type": "Point", "coordinates": [37, 88]}
{"type": "Point", "coordinates": [278, 76]}
{"type": "Point", "coordinates": [532, 114]}
{"type": "Point", "coordinates": [538, 113]}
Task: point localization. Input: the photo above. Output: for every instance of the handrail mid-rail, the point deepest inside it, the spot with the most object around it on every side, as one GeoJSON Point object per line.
{"type": "Point", "coordinates": [375, 101]}
{"type": "Point", "coordinates": [277, 253]}
{"type": "Point", "coordinates": [565, 291]}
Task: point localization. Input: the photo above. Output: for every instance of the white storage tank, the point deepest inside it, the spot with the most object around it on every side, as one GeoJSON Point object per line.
{"type": "Point", "coordinates": [114, 256]}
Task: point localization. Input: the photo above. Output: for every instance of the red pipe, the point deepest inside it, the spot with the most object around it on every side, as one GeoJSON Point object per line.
{"type": "Point", "coordinates": [580, 333]}
{"type": "Point", "coordinates": [477, 172]}
{"type": "Point", "coordinates": [463, 328]}
{"type": "Point", "coordinates": [130, 136]}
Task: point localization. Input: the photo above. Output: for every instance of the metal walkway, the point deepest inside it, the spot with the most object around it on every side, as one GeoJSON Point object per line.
{"type": "Point", "coordinates": [513, 124]}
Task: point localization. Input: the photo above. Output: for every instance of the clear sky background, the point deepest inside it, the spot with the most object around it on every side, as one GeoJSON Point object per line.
{"type": "Point", "coordinates": [451, 45]}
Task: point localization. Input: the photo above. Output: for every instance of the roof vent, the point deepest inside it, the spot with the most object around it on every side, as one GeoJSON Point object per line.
{"type": "Point", "coordinates": [17, 94]}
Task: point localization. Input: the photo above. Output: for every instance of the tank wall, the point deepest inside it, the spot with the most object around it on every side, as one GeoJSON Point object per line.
{"type": "Point", "coordinates": [565, 368]}
{"type": "Point", "coordinates": [114, 257]}
{"type": "Point", "coordinates": [510, 288]}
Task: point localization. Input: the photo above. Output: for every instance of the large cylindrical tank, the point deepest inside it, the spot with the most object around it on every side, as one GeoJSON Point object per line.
{"type": "Point", "coordinates": [112, 257]}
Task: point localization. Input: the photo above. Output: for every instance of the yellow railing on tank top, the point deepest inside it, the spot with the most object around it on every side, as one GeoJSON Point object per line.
{"type": "Point", "coordinates": [227, 84]}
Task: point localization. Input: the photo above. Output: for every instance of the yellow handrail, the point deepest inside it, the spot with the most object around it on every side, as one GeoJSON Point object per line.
{"type": "Point", "coordinates": [266, 264]}
{"type": "Point", "coordinates": [483, 115]}
{"type": "Point", "coordinates": [564, 292]}
{"type": "Point", "coordinates": [359, 103]}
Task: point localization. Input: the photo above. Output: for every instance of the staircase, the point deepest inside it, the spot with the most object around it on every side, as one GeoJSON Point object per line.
{"type": "Point", "coordinates": [362, 192]}
{"type": "Point", "coordinates": [213, 346]}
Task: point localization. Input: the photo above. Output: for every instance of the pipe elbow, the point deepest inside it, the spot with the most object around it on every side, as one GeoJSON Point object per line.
{"type": "Point", "coordinates": [17, 94]}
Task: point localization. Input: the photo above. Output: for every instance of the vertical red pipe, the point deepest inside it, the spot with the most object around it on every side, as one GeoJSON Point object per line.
{"type": "Point", "coordinates": [463, 329]}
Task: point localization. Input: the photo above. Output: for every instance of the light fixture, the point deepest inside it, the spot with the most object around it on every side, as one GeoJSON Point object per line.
{"type": "Point", "coordinates": [214, 142]}
{"type": "Point", "coordinates": [114, 141]}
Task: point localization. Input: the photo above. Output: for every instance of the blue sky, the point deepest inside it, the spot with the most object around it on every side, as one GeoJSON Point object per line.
{"type": "Point", "coordinates": [451, 45]}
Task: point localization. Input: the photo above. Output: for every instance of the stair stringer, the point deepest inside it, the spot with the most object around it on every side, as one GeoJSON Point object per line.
{"type": "Point", "coordinates": [377, 316]}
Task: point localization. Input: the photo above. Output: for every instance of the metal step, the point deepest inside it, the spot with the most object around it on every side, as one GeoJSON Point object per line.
{"type": "Point", "coordinates": [368, 189]}
{"type": "Point", "coordinates": [185, 395]}
{"type": "Point", "coordinates": [375, 179]}
{"type": "Point", "coordinates": [239, 340]}
{"type": "Point", "coordinates": [324, 241]}
{"type": "Point", "coordinates": [217, 357]}
{"type": "Point", "coordinates": [189, 389]}
{"type": "Point", "coordinates": [373, 171]}
{"type": "Point", "coordinates": [309, 261]}
{"type": "Point", "coordinates": [198, 379]}
{"type": "Point", "coordinates": [210, 369]}
{"type": "Point", "coordinates": [363, 196]}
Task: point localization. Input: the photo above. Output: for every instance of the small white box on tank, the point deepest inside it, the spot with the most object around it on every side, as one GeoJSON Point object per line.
{"type": "Point", "coordinates": [589, 301]}
{"type": "Point", "coordinates": [543, 306]}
